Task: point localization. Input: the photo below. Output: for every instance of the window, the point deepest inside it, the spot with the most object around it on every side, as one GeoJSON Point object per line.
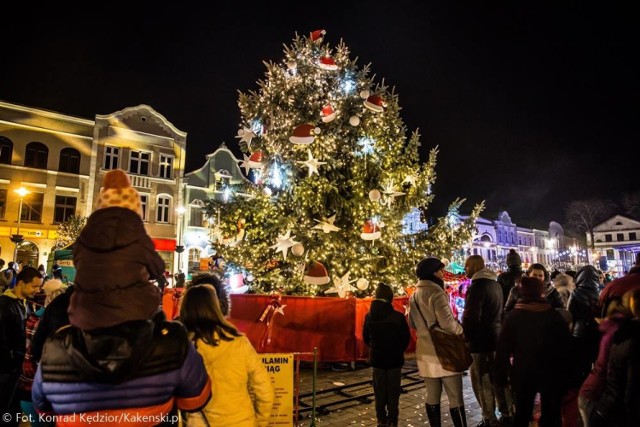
{"type": "Point", "coordinates": [32, 207]}
{"type": "Point", "coordinates": [111, 157]}
{"type": "Point", "coordinates": [65, 207]}
{"type": "Point", "coordinates": [196, 216]}
{"type": "Point", "coordinates": [139, 162]}
{"type": "Point", "coordinates": [163, 208]}
{"type": "Point", "coordinates": [607, 238]}
{"type": "Point", "coordinates": [620, 237]}
{"type": "Point", "coordinates": [6, 150]}
{"type": "Point", "coordinates": [69, 160]}
{"type": "Point", "coordinates": [166, 166]}
{"type": "Point", "coordinates": [3, 203]}
{"type": "Point", "coordinates": [36, 155]}
{"type": "Point", "coordinates": [633, 236]}
{"type": "Point", "coordinates": [611, 256]}
{"type": "Point", "coordinates": [144, 204]}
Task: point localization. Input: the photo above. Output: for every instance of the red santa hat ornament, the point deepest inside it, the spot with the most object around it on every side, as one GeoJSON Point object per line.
{"type": "Point", "coordinates": [327, 63]}
{"type": "Point", "coordinates": [370, 231]}
{"type": "Point", "coordinates": [328, 114]}
{"type": "Point", "coordinates": [316, 274]}
{"type": "Point", "coordinates": [255, 161]}
{"type": "Point", "coordinates": [304, 134]}
{"type": "Point", "coordinates": [317, 36]}
{"type": "Point", "coordinates": [374, 103]}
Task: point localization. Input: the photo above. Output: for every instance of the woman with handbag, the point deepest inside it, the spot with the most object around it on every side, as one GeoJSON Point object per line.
{"type": "Point", "coordinates": [429, 311]}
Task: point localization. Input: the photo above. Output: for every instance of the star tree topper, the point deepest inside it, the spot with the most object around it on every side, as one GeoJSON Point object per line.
{"type": "Point", "coordinates": [283, 243]}
{"type": "Point", "coordinates": [326, 225]}
{"type": "Point", "coordinates": [311, 163]}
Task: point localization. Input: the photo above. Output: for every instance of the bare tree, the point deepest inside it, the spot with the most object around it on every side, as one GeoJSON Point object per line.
{"type": "Point", "coordinates": [631, 204]}
{"type": "Point", "coordinates": [583, 215]}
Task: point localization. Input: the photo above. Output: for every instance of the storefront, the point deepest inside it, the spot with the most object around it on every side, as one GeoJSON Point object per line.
{"type": "Point", "coordinates": [36, 243]}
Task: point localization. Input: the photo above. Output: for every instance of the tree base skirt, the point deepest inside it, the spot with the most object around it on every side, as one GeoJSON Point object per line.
{"type": "Point", "coordinates": [333, 325]}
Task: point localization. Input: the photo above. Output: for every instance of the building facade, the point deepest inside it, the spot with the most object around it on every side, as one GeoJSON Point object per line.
{"type": "Point", "coordinates": [60, 161]}
{"type": "Point", "coordinates": [616, 244]}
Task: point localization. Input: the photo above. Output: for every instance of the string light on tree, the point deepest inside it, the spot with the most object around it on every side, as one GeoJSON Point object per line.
{"type": "Point", "coordinates": [315, 99]}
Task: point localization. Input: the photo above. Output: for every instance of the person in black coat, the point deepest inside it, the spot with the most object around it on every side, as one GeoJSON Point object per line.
{"type": "Point", "coordinates": [583, 306]}
{"type": "Point", "coordinates": [619, 405]}
{"type": "Point", "coordinates": [511, 277]}
{"type": "Point", "coordinates": [54, 317]}
{"type": "Point", "coordinates": [481, 323]}
{"type": "Point", "coordinates": [551, 294]}
{"type": "Point", "coordinates": [536, 337]}
{"type": "Point", "coordinates": [386, 332]}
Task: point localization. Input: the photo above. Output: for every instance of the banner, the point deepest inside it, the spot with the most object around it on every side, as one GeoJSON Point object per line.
{"type": "Point", "coordinates": [280, 368]}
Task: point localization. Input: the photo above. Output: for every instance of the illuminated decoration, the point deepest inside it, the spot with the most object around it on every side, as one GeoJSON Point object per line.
{"type": "Point", "coordinates": [374, 103]}
{"type": "Point", "coordinates": [326, 225]}
{"type": "Point", "coordinates": [311, 163]}
{"type": "Point", "coordinates": [257, 128]}
{"type": "Point", "coordinates": [348, 85]}
{"type": "Point", "coordinates": [366, 146]}
{"type": "Point", "coordinates": [323, 209]}
{"type": "Point", "coordinates": [227, 194]}
{"type": "Point", "coordinates": [278, 175]}
{"type": "Point", "coordinates": [283, 243]}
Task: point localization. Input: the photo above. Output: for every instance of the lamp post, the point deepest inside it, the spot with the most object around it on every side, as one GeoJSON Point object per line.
{"type": "Point", "coordinates": [179, 247]}
{"type": "Point", "coordinates": [17, 238]}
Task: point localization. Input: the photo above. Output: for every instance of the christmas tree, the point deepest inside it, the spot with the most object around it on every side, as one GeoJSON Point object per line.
{"type": "Point", "coordinates": [335, 182]}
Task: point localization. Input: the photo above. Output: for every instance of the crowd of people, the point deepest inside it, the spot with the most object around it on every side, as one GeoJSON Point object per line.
{"type": "Point", "coordinates": [101, 351]}
{"type": "Point", "coordinates": [572, 341]}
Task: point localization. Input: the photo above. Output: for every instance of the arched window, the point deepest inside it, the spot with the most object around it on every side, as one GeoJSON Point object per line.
{"type": "Point", "coordinates": [69, 160]}
{"type": "Point", "coordinates": [6, 150]}
{"type": "Point", "coordinates": [36, 155]}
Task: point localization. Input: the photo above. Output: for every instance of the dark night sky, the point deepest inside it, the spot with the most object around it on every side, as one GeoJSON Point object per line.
{"type": "Point", "coordinates": [532, 106]}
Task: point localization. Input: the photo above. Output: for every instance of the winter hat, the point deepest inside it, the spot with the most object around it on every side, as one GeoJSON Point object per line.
{"type": "Point", "coordinates": [428, 267]}
{"type": "Point", "coordinates": [370, 231]}
{"type": "Point", "coordinates": [374, 103]}
{"type": "Point", "coordinates": [384, 291]}
{"type": "Point", "coordinates": [328, 114]}
{"type": "Point", "coordinates": [316, 274]}
{"type": "Point", "coordinates": [513, 259]}
{"type": "Point", "coordinates": [531, 287]}
{"type": "Point", "coordinates": [327, 63]}
{"type": "Point", "coordinates": [304, 134]}
{"type": "Point", "coordinates": [117, 191]}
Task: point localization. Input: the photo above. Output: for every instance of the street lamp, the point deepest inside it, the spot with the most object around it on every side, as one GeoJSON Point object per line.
{"type": "Point", "coordinates": [17, 238]}
{"type": "Point", "coordinates": [180, 210]}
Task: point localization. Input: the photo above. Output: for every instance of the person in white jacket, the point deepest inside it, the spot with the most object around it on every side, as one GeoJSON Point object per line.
{"type": "Point", "coordinates": [243, 394]}
{"type": "Point", "coordinates": [429, 304]}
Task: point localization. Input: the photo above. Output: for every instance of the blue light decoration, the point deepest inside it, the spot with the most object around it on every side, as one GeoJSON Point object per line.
{"type": "Point", "coordinates": [411, 223]}
{"type": "Point", "coordinates": [348, 84]}
{"type": "Point", "coordinates": [257, 127]}
{"type": "Point", "coordinates": [227, 194]}
{"type": "Point", "coordinates": [256, 174]}
{"type": "Point", "coordinates": [367, 146]}
{"type": "Point", "coordinates": [278, 175]}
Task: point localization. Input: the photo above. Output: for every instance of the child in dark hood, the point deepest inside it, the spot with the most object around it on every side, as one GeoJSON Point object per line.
{"type": "Point", "coordinates": [386, 332]}
{"type": "Point", "coordinates": [115, 259]}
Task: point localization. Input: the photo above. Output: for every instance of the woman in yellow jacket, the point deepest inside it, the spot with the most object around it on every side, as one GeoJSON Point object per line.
{"type": "Point", "coordinates": [241, 390]}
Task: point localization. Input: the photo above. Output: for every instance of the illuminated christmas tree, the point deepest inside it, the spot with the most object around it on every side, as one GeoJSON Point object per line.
{"type": "Point", "coordinates": [336, 182]}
